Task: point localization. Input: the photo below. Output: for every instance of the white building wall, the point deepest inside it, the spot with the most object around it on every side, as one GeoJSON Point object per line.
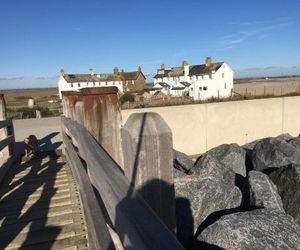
{"type": "Point", "coordinates": [63, 85]}
{"type": "Point", "coordinates": [215, 85]}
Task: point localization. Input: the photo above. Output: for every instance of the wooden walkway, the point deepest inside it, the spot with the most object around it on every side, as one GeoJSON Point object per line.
{"type": "Point", "coordinates": [40, 207]}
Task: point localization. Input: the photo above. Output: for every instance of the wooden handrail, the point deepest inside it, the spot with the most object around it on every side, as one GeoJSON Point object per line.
{"type": "Point", "coordinates": [136, 224]}
{"type": "Point", "coordinates": [98, 234]}
{"type": "Point", "coordinates": [5, 123]}
{"type": "Point", "coordinates": [8, 141]}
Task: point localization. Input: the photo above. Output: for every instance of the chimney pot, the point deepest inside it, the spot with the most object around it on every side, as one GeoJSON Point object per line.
{"type": "Point", "coordinates": [116, 70]}
{"type": "Point", "coordinates": [208, 61]}
{"type": "Point", "coordinates": [62, 72]}
{"type": "Point", "coordinates": [91, 72]}
{"type": "Point", "coordinates": [184, 63]}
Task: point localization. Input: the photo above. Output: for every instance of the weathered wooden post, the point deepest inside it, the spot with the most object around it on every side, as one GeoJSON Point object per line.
{"type": "Point", "coordinates": [69, 99]}
{"type": "Point", "coordinates": [102, 117]}
{"type": "Point", "coordinates": [69, 102]}
{"type": "Point", "coordinates": [148, 162]}
{"type": "Point", "coordinates": [5, 152]}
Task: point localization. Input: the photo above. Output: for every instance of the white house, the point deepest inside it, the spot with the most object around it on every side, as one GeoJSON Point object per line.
{"type": "Point", "coordinates": [125, 81]}
{"type": "Point", "coordinates": [198, 81]}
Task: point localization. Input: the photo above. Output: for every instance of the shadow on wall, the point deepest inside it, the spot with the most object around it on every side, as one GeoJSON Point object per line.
{"type": "Point", "coordinates": [45, 144]}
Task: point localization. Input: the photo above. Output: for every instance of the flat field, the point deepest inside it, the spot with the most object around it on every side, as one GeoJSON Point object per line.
{"type": "Point", "coordinates": [18, 98]}
{"type": "Point", "coordinates": [268, 86]}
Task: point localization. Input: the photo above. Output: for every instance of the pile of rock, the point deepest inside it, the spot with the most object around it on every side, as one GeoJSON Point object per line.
{"type": "Point", "coordinates": [236, 197]}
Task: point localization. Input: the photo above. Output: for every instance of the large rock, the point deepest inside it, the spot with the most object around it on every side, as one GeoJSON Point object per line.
{"type": "Point", "coordinates": [295, 142]}
{"type": "Point", "coordinates": [287, 180]}
{"type": "Point", "coordinates": [198, 196]}
{"type": "Point", "coordinates": [263, 192]}
{"type": "Point", "coordinates": [257, 229]}
{"type": "Point", "coordinates": [231, 156]}
{"type": "Point", "coordinates": [284, 137]}
{"type": "Point", "coordinates": [182, 164]}
{"type": "Point", "coordinates": [274, 153]}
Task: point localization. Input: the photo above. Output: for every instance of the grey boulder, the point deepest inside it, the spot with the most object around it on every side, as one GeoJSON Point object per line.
{"type": "Point", "coordinates": [263, 192]}
{"type": "Point", "coordinates": [198, 196]}
{"type": "Point", "coordinates": [287, 180]}
{"type": "Point", "coordinates": [231, 156]}
{"type": "Point", "coordinates": [182, 164]}
{"type": "Point", "coordinates": [295, 142]}
{"type": "Point", "coordinates": [257, 229]}
{"type": "Point", "coordinates": [284, 137]}
{"type": "Point", "coordinates": [274, 153]}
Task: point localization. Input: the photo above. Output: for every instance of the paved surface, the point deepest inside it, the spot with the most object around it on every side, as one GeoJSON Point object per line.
{"type": "Point", "coordinates": [40, 208]}
{"type": "Point", "coordinates": [47, 130]}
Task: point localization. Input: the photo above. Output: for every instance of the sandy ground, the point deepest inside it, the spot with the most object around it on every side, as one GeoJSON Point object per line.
{"type": "Point", "coordinates": [271, 86]}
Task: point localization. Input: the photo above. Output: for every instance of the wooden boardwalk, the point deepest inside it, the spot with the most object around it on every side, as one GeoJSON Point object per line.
{"type": "Point", "coordinates": [40, 207]}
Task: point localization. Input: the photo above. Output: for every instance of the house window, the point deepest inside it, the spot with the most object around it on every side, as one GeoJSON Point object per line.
{"type": "Point", "coordinates": [200, 88]}
{"type": "Point", "coordinates": [87, 84]}
{"type": "Point", "coordinates": [225, 85]}
{"type": "Point", "coordinates": [78, 85]}
{"type": "Point", "coordinates": [72, 85]}
{"type": "Point", "coordinates": [223, 75]}
{"type": "Point", "coordinates": [204, 88]}
{"type": "Point", "coordinates": [94, 84]}
{"type": "Point", "coordinates": [191, 89]}
{"type": "Point", "coordinates": [106, 83]}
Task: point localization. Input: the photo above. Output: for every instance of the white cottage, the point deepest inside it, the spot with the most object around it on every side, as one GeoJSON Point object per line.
{"type": "Point", "coordinates": [198, 81]}
{"type": "Point", "coordinates": [125, 81]}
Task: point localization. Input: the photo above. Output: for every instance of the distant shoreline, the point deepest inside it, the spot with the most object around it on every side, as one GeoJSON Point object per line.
{"type": "Point", "coordinates": [28, 89]}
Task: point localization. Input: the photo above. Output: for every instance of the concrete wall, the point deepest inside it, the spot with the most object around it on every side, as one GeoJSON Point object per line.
{"type": "Point", "coordinates": [200, 127]}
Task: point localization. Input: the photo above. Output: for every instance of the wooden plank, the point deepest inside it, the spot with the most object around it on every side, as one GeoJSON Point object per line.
{"type": "Point", "coordinates": [136, 224]}
{"type": "Point", "coordinates": [40, 236]}
{"type": "Point", "coordinates": [98, 235]}
{"type": "Point", "coordinates": [5, 123]}
{"type": "Point", "coordinates": [5, 142]}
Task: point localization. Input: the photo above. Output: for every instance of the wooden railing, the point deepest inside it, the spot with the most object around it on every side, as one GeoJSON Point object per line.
{"type": "Point", "coordinates": [137, 226]}
{"type": "Point", "coordinates": [7, 146]}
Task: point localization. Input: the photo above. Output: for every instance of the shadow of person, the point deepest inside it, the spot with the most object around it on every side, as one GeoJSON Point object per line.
{"type": "Point", "coordinates": [134, 208]}
{"type": "Point", "coordinates": [184, 222]}
{"type": "Point", "coordinates": [25, 200]}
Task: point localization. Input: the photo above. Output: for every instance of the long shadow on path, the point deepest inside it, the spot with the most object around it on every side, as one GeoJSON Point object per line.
{"type": "Point", "coordinates": [25, 197]}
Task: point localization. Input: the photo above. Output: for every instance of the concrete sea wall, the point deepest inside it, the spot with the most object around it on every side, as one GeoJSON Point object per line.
{"type": "Point", "coordinates": [200, 127]}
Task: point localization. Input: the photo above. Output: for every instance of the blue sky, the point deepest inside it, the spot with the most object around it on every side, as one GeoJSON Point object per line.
{"type": "Point", "coordinates": [38, 37]}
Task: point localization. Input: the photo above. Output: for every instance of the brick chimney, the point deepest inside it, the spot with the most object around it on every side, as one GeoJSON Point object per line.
{"type": "Point", "coordinates": [91, 71]}
{"type": "Point", "coordinates": [62, 72]}
{"type": "Point", "coordinates": [139, 69]}
{"type": "Point", "coordinates": [116, 71]}
{"type": "Point", "coordinates": [163, 67]}
{"type": "Point", "coordinates": [186, 68]}
{"type": "Point", "coordinates": [208, 61]}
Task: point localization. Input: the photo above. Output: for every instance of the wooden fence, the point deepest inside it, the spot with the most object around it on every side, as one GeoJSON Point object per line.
{"type": "Point", "coordinates": [135, 192]}
{"type": "Point", "coordinates": [7, 140]}
{"type": "Point", "coordinates": [134, 221]}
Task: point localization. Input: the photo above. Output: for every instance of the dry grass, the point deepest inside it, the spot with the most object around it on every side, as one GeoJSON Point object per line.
{"type": "Point", "coordinates": [19, 98]}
